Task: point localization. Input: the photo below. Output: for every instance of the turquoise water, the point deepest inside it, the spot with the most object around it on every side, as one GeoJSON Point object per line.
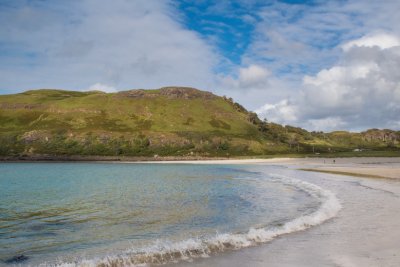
{"type": "Point", "coordinates": [76, 213]}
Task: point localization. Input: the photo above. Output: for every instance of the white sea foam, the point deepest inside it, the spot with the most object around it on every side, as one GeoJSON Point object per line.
{"type": "Point", "coordinates": [163, 251]}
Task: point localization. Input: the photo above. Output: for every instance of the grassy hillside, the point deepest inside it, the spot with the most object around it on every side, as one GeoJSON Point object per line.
{"type": "Point", "coordinates": [168, 121]}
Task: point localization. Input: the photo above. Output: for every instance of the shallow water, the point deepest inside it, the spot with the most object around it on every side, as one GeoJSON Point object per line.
{"type": "Point", "coordinates": [87, 213]}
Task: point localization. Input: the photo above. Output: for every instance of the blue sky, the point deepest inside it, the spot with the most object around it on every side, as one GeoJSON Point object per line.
{"type": "Point", "coordinates": [229, 25]}
{"type": "Point", "coordinates": [322, 65]}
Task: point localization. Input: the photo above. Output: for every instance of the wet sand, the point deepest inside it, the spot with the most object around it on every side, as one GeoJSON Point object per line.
{"type": "Point", "coordinates": [366, 232]}
{"type": "Point", "coordinates": [369, 166]}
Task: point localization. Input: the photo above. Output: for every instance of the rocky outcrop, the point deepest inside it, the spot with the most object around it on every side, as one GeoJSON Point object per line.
{"type": "Point", "coordinates": [35, 135]}
{"type": "Point", "coordinates": [169, 92]}
{"type": "Point", "coordinates": [185, 93]}
{"type": "Point", "coordinates": [381, 135]}
{"type": "Point", "coordinates": [20, 106]}
{"type": "Point", "coordinates": [137, 94]}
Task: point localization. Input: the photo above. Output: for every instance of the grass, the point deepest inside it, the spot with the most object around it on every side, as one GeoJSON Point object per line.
{"type": "Point", "coordinates": [61, 121]}
{"type": "Point", "coordinates": [110, 112]}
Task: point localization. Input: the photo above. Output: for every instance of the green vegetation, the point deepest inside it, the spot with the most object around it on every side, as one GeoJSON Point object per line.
{"type": "Point", "coordinates": [171, 121]}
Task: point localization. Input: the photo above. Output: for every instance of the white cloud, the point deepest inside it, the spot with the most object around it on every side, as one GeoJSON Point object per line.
{"type": "Point", "coordinates": [124, 44]}
{"type": "Point", "coordinates": [252, 85]}
{"type": "Point", "coordinates": [306, 38]}
{"type": "Point", "coordinates": [340, 60]}
{"type": "Point", "coordinates": [334, 63]}
{"type": "Point", "coordinates": [282, 112]}
{"type": "Point", "coordinates": [253, 75]}
{"type": "Point", "coordinates": [102, 87]}
{"type": "Point", "coordinates": [361, 90]}
{"type": "Point", "coordinates": [381, 40]}
{"type": "Point", "coordinates": [326, 124]}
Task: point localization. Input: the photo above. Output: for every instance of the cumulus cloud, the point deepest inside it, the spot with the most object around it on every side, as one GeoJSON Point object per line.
{"type": "Point", "coordinates": [251, 85]}
{"type": "Point", "coordinates": [362, 89]}
{"type": "Point", "coordinates": [282, 112]}
{"type": "Point", "coordinates": [304, 38]}
{"type": "Point", "coordinates": [381, 40]}
{"type": "Point", "coordinates": [322, 65]}
{"type": "Point", "coordinates": [336, 60]}
{"type": "Point", "coordinates": [102, 87]}
{"type": "Point", "coordinates": [328, 123]}
{"type": "Point", "coordinates": [253, 76]}
{"type": "Point", "coordinates": [124, 44]}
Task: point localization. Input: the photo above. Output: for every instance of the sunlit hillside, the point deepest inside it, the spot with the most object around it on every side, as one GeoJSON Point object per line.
{"type": "Point", "coordinates": [171, 121]}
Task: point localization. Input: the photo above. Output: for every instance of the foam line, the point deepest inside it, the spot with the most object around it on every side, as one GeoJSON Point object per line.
{"type": "Point", "coordinates": [162, 252]}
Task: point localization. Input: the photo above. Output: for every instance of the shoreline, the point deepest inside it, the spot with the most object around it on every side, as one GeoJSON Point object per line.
{"type": "Point", "coordinates": [195, 158]}
{"type": "Point", "coordinates": [364, 233]}
{"type": "Point", "coordinates": [368, 167]}
{"type": "Point", "coordinates": [77, 158]}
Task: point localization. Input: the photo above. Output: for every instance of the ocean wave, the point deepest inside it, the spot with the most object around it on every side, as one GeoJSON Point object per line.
{"type": "Point", "coordinates": [162, 252]}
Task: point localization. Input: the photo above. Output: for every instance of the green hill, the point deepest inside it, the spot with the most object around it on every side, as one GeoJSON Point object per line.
{"type": "Point", "coordinates": [171, 121]}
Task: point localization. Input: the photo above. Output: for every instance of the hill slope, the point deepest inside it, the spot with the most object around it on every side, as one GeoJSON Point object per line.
{"type": "Point", "coordinates": [168, 121]}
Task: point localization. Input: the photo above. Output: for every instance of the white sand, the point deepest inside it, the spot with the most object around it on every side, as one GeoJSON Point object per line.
{"type": "Point", "coordinates": [387, 172]}
{"type": "Point", "coordinates": [384, 167]}
{"type": "Point", "coordinates": [294, 161]}
{"type": "Point", "coordinates": [366, 231]}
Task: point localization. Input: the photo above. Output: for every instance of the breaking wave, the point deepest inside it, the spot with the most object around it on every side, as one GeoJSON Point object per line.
{"type": "Point", "coordinates": [162, 252]}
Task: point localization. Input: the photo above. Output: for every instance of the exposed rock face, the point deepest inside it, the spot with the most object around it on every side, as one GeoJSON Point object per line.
{"type": "Point", "coordinates": [32, 136]}
{"type": "Point", "coordinates": [135, 93]}
{"type": "Point", "coordinates": [185, 93]}
{"type": "Point", "coordinates": [20, 106]}
{"type": "Point", "coordinates": [381, 135]}
{"type": "Point", "coordinates": [170, 92]}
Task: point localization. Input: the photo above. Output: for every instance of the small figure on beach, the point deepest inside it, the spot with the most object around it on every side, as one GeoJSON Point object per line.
{"type": "Point", "coordinates": [334, 161]}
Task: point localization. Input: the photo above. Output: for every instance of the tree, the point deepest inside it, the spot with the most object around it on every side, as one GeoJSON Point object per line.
{"type": "Point", "coordinates": [253, 118]}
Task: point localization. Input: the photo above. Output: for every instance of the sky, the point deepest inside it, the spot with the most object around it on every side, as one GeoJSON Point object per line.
{"type": "Point", "coordinates": [318, 64]}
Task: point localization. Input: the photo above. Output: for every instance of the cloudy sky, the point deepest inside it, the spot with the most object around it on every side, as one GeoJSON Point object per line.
{"type": "Point", "coordinates": [321, 65]}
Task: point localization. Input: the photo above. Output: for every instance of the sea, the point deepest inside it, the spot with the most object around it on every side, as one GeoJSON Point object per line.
{"type": "Point", "coordinates": [135, 214]}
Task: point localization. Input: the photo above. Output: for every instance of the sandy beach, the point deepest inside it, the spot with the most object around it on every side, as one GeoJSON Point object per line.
{"type": "Point", "coordinates": [365, 232]}
{"type": "Point", "coordinates": [355, 219]}
{"type": "Point", "coordinates": [368, 166]}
